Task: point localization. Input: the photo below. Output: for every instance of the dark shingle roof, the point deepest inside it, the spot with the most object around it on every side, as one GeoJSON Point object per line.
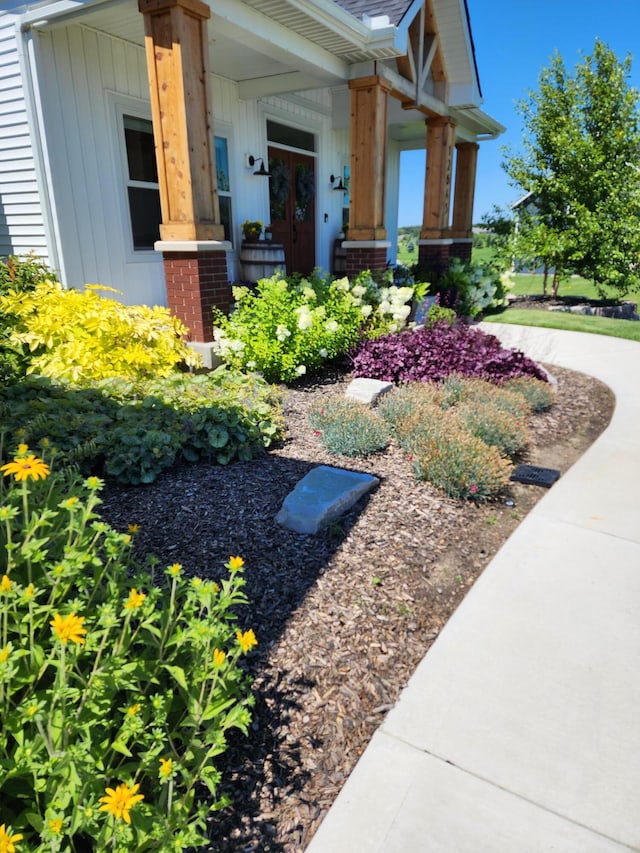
{"type": "Point", "coordinates": [395, 9]}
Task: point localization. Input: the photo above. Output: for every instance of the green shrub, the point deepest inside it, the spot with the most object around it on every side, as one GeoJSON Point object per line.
{"type": "Point", "coordinates": [494, 426]}
{"type": "Point", "coordinates": [348, 428]}
{"type": "Point", "coordinates": [476, 286]}
{"type": "Point", "coordinates": [458, 389]}
{"type": "Point", "coordinates": [117, 688]}
{"type": "Point", "coordinates": [406, 404]}
{"type": "Point", "coordinates": [289, 327]}
{"type": "Point", "coordinates": [138, 429]}
{"type": "Point", "coordinates": [440, 314]}
{"type": "Point", "coordinates": [458, 463]}
{"type": "Point", "coordinates": [539, 395]}
{"type": "Point", "coordinates": [82, 336]}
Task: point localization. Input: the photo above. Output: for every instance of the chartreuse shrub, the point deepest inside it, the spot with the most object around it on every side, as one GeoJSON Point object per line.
{"type": "Point", "coordinates": [81, 336]}
{"type": "Point", "coordinates": [348, 428]}
{"type": "Point", "coordinates": [118, 684]}
{"type": "Point", "coordinates": [135, 430]}
{"type": "Point", "coordinates": [289, 327]}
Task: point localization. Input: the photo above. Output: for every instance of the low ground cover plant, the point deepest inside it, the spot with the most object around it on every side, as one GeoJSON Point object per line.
{"type": "Point", "coordinates": [430, 355]}
{"type": "Point", "coordinates": [118, 682]}
{"type": "Point", "coordinates": [291, 326]}
{"type": "Point", "coordinates": [348, 428]}
{"type": "Point", "coordinates": [134, 430]}
{"type": "Point", "coordinates": [461, 435]}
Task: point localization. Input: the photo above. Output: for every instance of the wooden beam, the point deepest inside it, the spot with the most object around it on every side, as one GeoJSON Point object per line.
{"type": "Point", "coordinates": [440, 139]}
{"type": "Point", "coordinates": [176, 50]}
{"type": "Point", "coordinates": [464, 190]}
{"type": "Point", "coordinates": [368, 157]}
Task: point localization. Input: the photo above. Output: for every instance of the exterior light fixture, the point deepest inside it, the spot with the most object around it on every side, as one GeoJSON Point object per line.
{"type": "Point", "coordinates": [340, 187]}
{"type": "Point", "coordinates": [253, 161]}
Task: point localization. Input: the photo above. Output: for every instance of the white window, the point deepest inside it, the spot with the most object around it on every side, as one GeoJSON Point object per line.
{"type": "Point", "coordinates": [142, 182]}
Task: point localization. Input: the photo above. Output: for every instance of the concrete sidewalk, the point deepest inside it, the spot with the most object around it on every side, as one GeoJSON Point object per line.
{"type": "Point", "coordinates": [520, 729]}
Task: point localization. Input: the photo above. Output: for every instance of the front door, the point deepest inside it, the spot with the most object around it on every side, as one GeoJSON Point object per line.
{"type": "Point", "coordinates": [292, 193]}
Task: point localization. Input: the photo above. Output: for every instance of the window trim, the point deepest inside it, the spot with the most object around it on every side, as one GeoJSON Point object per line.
{"type": "Point", "coordinates": [126, 105]}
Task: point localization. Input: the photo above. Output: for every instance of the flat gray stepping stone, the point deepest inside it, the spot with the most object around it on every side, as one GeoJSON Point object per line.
{"type": "Point", "coordinates": [321, 496]}
{"type": "Point", "coordinates": [367, 390]}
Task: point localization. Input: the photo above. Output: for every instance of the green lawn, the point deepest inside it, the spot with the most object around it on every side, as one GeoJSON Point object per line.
{"type": "Point", "coordinates": [526, 284]}
{"type": "Point", "coordinates": [629, 329]}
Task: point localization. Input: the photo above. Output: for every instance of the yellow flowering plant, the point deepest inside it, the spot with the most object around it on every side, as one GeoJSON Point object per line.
{"type": "Point", "coordinates": [118, 682]}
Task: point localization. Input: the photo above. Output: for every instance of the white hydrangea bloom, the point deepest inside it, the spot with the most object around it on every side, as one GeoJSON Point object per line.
{"type": "Point", "coordinates": [236, 345]}
{"type": "Point", "coordinates": [251, 365]}
{"type": "Point", "coordinates": [358, 290]}
{"type": "Point", "coordinates": [366, 310]}
{"type": "Point", "coordinates": [331, 326]}
{"type": "Point", "coordinates": [401, 312]}
{"type": "Point", "coordinates": [342, 284]}
{"type": "Point", "coordinates": [309, 293]}
{"type": "Point", "coordinates": [305, 318]}
{"type": "Point", "coordinates": [384, 307]}
{"type": "Point", "coordinates": [323, 353]}
{"type": "Point", "coordinates": [301, 370]}
{"type": "Point", "coordinates": [282, 333]}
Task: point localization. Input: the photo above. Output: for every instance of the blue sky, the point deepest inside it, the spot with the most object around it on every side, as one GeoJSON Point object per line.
{"type": "Point", "coordinates": [514, 40]}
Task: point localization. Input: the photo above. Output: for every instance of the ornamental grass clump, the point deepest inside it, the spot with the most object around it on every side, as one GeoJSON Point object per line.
{"type": "Point", "coordinates": [118, 683]}
{"type": "Point", "coordinates": [457, 389]}
{"type": "Point", "coordinates": [540, 396]}
{"type": "Point", "coordinates": [458, 463]}
{"type": "Point", "coordinates": [348, 428]}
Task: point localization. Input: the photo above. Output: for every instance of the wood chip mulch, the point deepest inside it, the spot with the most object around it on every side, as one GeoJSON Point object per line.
{"type": "Point", "coordinates": [343, 617]}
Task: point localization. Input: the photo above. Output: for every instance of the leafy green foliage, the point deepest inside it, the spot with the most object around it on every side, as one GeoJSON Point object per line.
{"type": "Point", "coordinates": [289, 327]}
{"type": "Point", "coordinates": [579, 162]}
{"type": "Point", "coordinates": [439, 314]}
{"type": "Point", "coordinates": [474, 286]}
{"type": "Point", "coordinates": [82, 336]}
{"type": "Point", "coordinates": [348, 428]}
{"type": "Point", "coordinates": [135, 430]}
{"type": "Point", "coordinates": [113, 677]}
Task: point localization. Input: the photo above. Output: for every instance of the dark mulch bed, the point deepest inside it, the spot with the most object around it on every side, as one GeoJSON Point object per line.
{"type": "Point", "coordinates": [344, 617]}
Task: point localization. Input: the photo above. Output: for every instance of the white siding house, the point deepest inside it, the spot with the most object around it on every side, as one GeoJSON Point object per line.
{"type": "Point", "coordinates": [74, 91]}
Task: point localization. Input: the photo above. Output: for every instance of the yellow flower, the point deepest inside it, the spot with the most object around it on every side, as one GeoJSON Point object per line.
{"type": "Point", "coordinates": [247, 640]}
{"type": "Point", "coordinates": [235, 563]}
{"type": "Point", "coordinates": [24, 468]}
{"type": "Point", "coordinates": [29, 592]}
{"type": "Point", "coordinates": [55, 825]}
{"type": "Point", "coordinates": [196, 582]}
{"type": "Point", "coordinates": [68, 628]}
{"type": "Point", "coordinates": [166, 767]}
{"type": "Point", "coordinates": [133, 528]}
{"type": "Point", "coordinates": [175, 569]}
{"type": "Point", "coordinates": [4, 654]}
{"type": "Point", "coordinates": [119, 801]}
{"type": "Point", "coordinates": [23, 449]}
{"type": "Point", "coordinates": [93, 483]}
{"type": "Point", "coordinates": [8, 842]}
{"type": "Point", "coordinates": [32, 710]}
{"type": "Point", "coordinates": [218, 657]}
{"type": "Point", "coordinates": [5, 584]}
{"type": "Point", "coordinates": [135, 600]}
{"type": "Point", "coordinates": [69, 503]}
{"type": "Point", "coordinates": [132, 710]}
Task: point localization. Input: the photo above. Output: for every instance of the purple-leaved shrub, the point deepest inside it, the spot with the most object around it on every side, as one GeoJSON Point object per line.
{"type": "Point", "coordinates": [429, 355]}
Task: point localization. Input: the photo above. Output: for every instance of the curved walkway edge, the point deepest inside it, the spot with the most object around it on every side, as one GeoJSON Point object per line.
{"type": "Point", "coordinates": [519, 731]}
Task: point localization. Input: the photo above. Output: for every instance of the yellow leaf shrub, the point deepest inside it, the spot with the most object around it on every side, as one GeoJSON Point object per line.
{"type": "Point", "coordinates": [82, 336]}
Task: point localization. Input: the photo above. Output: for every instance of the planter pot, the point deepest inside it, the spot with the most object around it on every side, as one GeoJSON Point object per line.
{"type": "Point", "coordinates": [260, 259]}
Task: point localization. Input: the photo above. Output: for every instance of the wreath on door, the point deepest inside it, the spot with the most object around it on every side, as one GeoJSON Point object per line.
{"type": "Point", "coordinates": [305, 190]}
{"type": "Point", "coordinates": [279, 184]}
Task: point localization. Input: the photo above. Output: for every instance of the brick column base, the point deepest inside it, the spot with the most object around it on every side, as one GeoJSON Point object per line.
{"type": "Point", "coordinates": [365, 255]}
{"type": "Point", "coordinates": [196, 280]}
{"type": "Point", "coordinates": [433, 257]}
{"type": "Point", "coordinates": [461, 249]}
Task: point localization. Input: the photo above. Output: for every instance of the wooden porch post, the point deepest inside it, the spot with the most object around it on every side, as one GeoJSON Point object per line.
{"type": "Point", "coordinates": [367, 245]}
{"type": "Point", "coordinates": [463, 194]}
{"type": "Point", "coordinates": [191, 235]}
{"type": "Point", "coordinates": [435, 238]}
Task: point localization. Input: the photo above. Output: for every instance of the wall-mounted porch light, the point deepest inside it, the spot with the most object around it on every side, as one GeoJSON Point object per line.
{"type": "Point", "coordinates": [261, 171]}
{"type": "Point", "coordinates": [339, 186]}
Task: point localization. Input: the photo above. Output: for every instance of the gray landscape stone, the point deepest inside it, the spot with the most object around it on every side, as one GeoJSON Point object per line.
{"type": "Point", "coordinates": [322, 496]}
{"type": "Point", "coordinates": [367, 390]}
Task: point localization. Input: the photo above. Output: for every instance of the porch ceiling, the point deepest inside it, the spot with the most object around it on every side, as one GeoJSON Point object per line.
{"type": "Point", "coordinates": [263, 39]}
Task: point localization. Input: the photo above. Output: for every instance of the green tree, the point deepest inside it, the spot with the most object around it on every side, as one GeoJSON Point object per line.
{"type": "Point", "coordinates": [581, 162]}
